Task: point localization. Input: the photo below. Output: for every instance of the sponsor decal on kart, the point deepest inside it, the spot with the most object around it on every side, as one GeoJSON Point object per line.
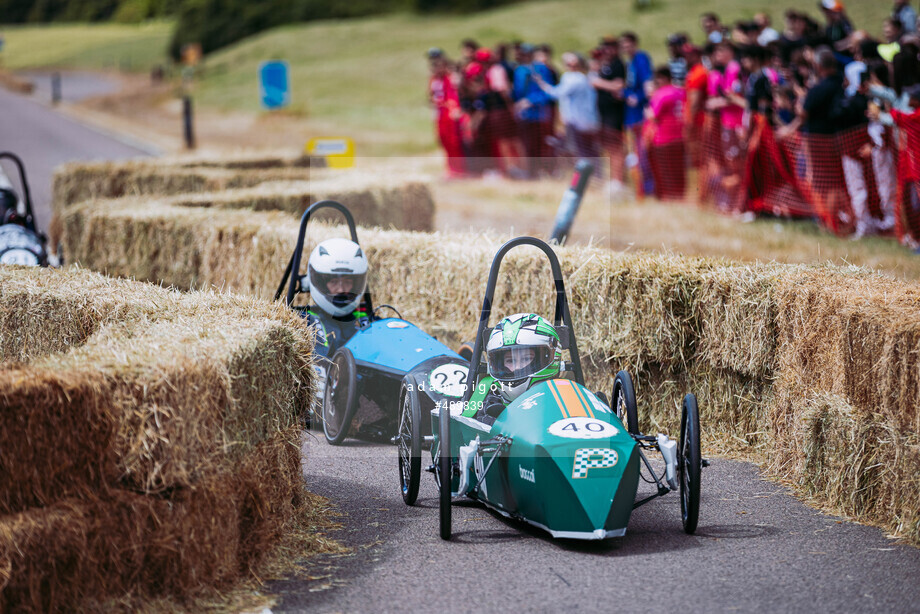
{"type": "Point", "coordinates": [449, 380]}
{"type": "Point", "coordinates": [397, 324]}
{"type": "Point", "coordinates": [593, 458]}
{"type": "Point", "coordinates": [527, 474]}
{"type": "Point", "coordinates": [582, 428]}
{"type": "Point", "coordinates": [531, 402]}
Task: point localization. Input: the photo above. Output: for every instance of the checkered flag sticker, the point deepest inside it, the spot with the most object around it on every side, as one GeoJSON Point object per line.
{"type": "Point", "coordinates": [593, 458]}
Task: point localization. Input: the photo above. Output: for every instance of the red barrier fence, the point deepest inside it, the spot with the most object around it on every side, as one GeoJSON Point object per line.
{"type": "Point", "coordinates": [861, 180]}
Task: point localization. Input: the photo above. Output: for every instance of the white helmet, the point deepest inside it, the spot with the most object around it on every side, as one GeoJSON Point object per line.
{"type": "Point", "coordinates": [338, 276]}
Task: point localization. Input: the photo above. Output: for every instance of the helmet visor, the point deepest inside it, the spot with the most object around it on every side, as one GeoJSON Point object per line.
{"type": "Point", "coordinates": [511, 363]}
{"type": "Point", "coordinates": [340, 288]}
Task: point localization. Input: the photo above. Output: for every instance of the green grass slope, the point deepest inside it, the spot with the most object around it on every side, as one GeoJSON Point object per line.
{"type": "Point", "coordinates": [86, 46]}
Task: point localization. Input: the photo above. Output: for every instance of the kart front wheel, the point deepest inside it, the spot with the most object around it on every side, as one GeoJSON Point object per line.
{"type": "Point", "coordinates": [340, 398]}
{"type": "Point", "coordinates": [624, 401]}
{"type": "Point", "coordinates": [444, 471]}
{"type": "Point", "coordinates": [690, 464]}
{"type": "Point", "coordinates": [409, 440]}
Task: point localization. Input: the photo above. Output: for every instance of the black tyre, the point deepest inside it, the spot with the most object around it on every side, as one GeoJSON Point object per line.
{"type": "Point", "coordinates": [409, 440]}
{"type": "Point", "coordinates": [624, 402]}
{"type": "Point", "coordinates": [690, 464]}
{"type": "Point", "coordinates": [445, 477]}
{"type": "Point", "coordinates": [340, 398]}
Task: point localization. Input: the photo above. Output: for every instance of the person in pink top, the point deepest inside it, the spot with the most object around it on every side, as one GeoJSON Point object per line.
{"type": "Point", "coordinates": [725, 89]}
{"type": "Point", "coordinates": [726, 100]}
{"type": "Point", "coordinates": [667, 152]}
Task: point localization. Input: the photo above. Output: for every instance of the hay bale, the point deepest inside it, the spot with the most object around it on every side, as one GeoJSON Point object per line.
{"type": "Point", "coordinates": [403, 203]}
{"type": "Point", "coordinates": [30, 306]}
{"type": "Point", "coordinates": [745, 338]}
{"type": "Point", "coordinates": [375, 199]}
{"type": "Point", "coordinates": [161, 444]}
{"type": "Point", "coordinates": [79, 181]}
{"type": "Point", "coordinates": [80, 550]}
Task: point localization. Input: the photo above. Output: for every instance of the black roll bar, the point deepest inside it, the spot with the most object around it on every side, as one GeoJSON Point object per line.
{"type": "Point", "coordinates": [26, 193]}
{"type": "Point", "coordinates": [561, 317]}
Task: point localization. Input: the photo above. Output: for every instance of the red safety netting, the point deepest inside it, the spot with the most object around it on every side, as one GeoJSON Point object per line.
{"type": "Point", "coordinates": [861, 180]}
{"type": "Point", "coordinates": [907, 217]}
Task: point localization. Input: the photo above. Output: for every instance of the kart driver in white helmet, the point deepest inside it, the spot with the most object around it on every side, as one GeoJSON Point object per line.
{"type": "Point", "coordinates": [337, 279]}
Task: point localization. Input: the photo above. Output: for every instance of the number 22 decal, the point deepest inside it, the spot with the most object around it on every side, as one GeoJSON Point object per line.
{"type": "Point", "coordinates": [449, 380]}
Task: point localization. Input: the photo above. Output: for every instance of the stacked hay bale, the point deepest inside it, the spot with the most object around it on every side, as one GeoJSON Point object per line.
{"type": "Point", "coordinates": [273, 183]}
{"type": "Point", "coordinates": [149, 439]}
{"type": "Point", "coordinates": [814, 371]}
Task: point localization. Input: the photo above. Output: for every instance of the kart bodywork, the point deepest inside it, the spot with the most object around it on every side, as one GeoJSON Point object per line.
{"type": "Point", "coordinates": [363, 363]}
{"type": "Point", "coordinates": [20, 240]}
{"type": "Point", "coordinates": [558, 457]}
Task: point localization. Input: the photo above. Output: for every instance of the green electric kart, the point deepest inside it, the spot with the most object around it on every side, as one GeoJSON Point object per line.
{"type": "Point", "coordinates": [558, 457]}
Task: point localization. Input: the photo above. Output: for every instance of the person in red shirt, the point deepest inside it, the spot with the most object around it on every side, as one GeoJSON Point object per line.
{"type": "Point", "coordinates": [908, 221]}
{"type": "Point", "coordinates": [666, 152]}
{"type": "Point", "coordinates": [697, 84]}
{"type": "Point", "coordinates": [442, 93]}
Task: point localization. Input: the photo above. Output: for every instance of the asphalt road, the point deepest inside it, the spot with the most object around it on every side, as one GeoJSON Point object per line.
{"type": "Point", "coordinates": [45, 139]}
{"type": "Point", "coordinates": [757, 549]}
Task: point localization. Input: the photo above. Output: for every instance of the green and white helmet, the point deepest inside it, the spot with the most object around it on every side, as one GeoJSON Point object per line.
{"type": "Point", "coordinates": [523, 349]}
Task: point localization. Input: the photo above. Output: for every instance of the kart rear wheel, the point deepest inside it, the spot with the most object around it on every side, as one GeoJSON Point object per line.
{"type": "Point", "coordinates": [444, 472]}
{"type": "Point", "coordinates": [624, 401]}
{"type": "Point", "coordinates": [690, 464]}
{"type": "Point", "coordinates": [340, 398]}
{"type": "Point", "coordinates": [409, 440]}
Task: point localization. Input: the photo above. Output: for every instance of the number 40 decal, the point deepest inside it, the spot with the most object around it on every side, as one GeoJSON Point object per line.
{"type": "Point", "coordinates": [593, 458]}
{"type": "Point", "coordinates": [582, 428]}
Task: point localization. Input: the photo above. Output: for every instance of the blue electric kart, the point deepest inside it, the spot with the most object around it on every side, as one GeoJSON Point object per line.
{"type": "Point", "coordinates": [20, 240]}
{"type": "Point", "coordinates": [362, 360]}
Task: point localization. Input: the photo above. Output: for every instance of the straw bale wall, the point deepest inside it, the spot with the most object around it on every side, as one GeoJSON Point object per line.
{"type": "Point", "coordinates": [789, 362]}
{"type": "Point", "coordinates": [149, 439]}
{"type": "Point", "coordinates": [375, 199]}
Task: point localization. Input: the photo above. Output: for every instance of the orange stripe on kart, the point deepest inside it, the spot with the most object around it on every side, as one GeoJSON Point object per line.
{"type": "Point", "coordinates": [570, 399]}
{"type": "Point", "coordinates": [559, 403]}
{"type": "Point", "coordinates": [584, 400]}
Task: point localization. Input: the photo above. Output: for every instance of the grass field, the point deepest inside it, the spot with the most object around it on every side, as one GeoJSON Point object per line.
{"type": "Point", "coordinates": [98, 46]}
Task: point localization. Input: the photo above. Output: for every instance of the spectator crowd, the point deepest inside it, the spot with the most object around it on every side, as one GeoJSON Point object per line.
{"type": "Point", "coordinates": [818, 119]}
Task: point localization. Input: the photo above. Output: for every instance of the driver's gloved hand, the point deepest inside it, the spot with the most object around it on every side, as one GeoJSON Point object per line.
{"type": "Point", "coordinates": [495, 409]}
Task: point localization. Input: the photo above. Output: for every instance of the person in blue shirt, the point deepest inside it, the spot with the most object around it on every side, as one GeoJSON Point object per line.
{"type": "Point", "coordinates": [578, 105]}
{"type": "Point", "coordinates": [532, 105]}
{"type": "Point", "coordinates": [636, 94]}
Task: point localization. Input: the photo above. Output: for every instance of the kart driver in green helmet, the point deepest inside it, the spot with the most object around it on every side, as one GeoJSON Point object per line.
{"type": "Point", "coordinates": [522, 350]}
